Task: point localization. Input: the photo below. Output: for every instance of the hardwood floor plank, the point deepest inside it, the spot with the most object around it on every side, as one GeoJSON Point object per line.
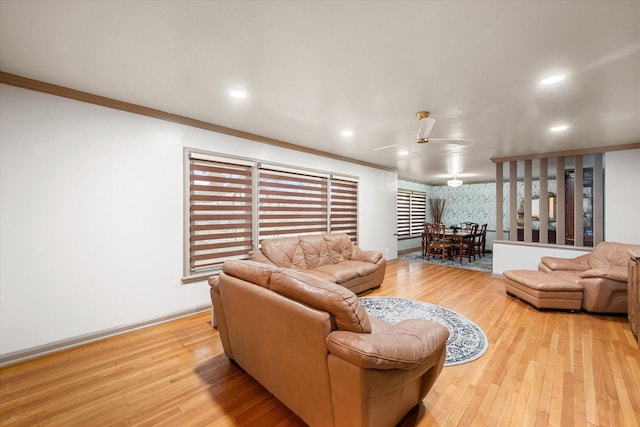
{"type": "Point", "coordinates": [541, 368]}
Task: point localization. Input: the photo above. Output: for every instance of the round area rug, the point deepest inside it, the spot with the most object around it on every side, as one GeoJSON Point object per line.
{"type": "Point", "coordinates": [466, 340]}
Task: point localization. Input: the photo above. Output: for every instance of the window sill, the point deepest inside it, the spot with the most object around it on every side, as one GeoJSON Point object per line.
{"type": "Point", "coordinates": [200, 276]}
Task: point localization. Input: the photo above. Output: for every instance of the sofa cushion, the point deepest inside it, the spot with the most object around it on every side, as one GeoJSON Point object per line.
{"type": "Point", "coordinates": [570, 275]}
{"type": "Point", "coordinates": [284, 252]}
{"type": "Point", "coordinates": [608, 254]}
{"type": "Point", "coordinates": [362, 268]}
{"type": "Point", "coordinates": [321, 275]}
{"type": "Point", "coordinates": [339, 246]}
{"type": "Point", "coordinates": [616, 273]}
{"type": "Point", "coordinates": [541, 281]}
{"type": "Point", "coordinates": [344, 305]}
{"type": "Point", "coordinates": [340, 272]}
{"type": "Point", "coordinates": [347, 270]}
{"type": "Point", "coordinates": [250, 271]}
{"type": "Point", "coordinates": [315, 251]}
{"type": "Point", "coordinates": [405, 345]}
{"type": "Point", "coordinates": [580, 263]}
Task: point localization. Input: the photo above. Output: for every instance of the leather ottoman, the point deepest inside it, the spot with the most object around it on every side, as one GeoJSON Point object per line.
{"type": "Point", "coordinates": [543, 290]}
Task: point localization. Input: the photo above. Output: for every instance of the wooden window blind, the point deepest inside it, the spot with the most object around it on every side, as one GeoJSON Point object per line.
{"type": "Point", "coordinates": [344, 207]}
{"type": "Point", "coordinates": [411, 208]}
{"type": "Point", "coordinates": [220, 210]}
{"type": "Point", "coordinates": [291, 203]}
{"type": "Point", "coordinates": [231, 204]}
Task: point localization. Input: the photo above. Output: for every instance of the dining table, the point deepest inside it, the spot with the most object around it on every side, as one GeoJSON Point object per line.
{"type": "Point", "coordinates": [449, 233]}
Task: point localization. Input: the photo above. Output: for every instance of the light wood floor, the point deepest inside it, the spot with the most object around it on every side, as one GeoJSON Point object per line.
{"type": "Point", "coordinates": [541, 368]}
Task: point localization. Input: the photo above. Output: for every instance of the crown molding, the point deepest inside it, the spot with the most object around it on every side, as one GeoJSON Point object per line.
{"type": "Point", "coordinates": [65, 92]}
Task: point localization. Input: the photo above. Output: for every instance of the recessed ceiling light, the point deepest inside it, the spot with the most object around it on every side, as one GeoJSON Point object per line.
{"type": "Point", "coordinates": [559, 128]}
{"type": "Point", "coordinates": [553, 79]}
{"type": "Point", "coordinates": [346, 132]}
{"type": "Point", "coordinates": [237, 93]}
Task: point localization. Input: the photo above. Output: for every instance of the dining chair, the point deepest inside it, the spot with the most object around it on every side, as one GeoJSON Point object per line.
{"type": "Point", "coordinates": [425, 238]}
{"type": "Point", "coordinates": [481, 241]}
{"type": "Point", "coordinates": [467, 244]}
{"type": "Point", "coordinates": [437, 243]}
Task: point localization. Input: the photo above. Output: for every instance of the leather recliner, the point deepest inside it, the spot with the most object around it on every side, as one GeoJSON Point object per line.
{"type": "Point", "coordinates": [602, 274]}
{"type": "Point", "coordinates": [312, 345]}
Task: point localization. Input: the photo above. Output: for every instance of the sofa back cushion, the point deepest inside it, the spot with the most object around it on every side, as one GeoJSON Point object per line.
{"type": "Point", "coordinates": [284, 252]}
{"type": "Point", "coordinates": [308, 251]}
{"type": "Point", "coordinates": [315, 250]}
{"type": "Point", "coordinates": [339, 246]}
{"type": "Point", "coordinates": [610, 254]}
{"type": "Point", "coordinates": [340, 302]}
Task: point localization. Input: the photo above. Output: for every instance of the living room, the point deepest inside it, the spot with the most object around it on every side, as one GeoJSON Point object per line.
{"type": "Point", "coordinates": [92, 215]}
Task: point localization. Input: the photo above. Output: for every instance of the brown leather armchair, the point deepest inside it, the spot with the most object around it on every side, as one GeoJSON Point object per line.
{"type": "Point", "coordinates": [602, 274]}
{"type": "Point", "coordinates": [312, 345]}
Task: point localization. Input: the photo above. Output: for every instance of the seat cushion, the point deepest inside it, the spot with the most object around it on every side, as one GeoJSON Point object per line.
{"type": "Point", "coordinates": [542, 281]}
{"type": "Point", "coordinates": [362, 268]}
{"type": "Point", "coordinates": [543, 290]}
{"type": "Point", "coordinates": [321, 275]}
{"type": "Point", "coordinates": [340, 272]}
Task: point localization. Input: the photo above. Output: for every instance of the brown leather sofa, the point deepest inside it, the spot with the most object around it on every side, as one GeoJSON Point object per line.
{"type": "Point", "coordinates": [311, 344]}
{"type": "Point", "coordinates": [602, 274]}
{"type": "Point", "coordinates": [331, 257]}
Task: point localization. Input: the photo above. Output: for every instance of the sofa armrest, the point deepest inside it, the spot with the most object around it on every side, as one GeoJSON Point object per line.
{"type": "Point", "coordinates": [255, 272]}
{"type": "Point", "coordinates": [214, 283]}
{"type": "Point", "coordinates": [405, 345]}
{"type": "Point", "coordinates": [601, 273]}
{"type": "Point", "coordinates": [573, 264]}
{"type": "Point", "coordinates": [366, 256]}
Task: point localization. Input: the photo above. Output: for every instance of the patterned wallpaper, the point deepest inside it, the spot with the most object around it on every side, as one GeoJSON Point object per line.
{"type": "Point", "coordinates": [472, 202]}
{"type": "Point", "coordinates": [469, 202]}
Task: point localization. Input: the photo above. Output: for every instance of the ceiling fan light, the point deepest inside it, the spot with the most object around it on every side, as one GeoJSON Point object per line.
{"type": "Point", "coordinates": [455, 182]}
{"type": "Point", "coordinates": [424, 130]}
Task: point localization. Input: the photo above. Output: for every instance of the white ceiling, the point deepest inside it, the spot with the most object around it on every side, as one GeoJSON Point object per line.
{"type": "Point", "coordinates": [315, 68]}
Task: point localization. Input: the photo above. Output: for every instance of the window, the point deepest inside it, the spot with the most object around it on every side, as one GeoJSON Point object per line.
{"type": "Point", "coordinates": [233, 204]}
{"type": "Point", "coordinates": [220, 212]}
{"type": "Point", "coordinates": [344, 207]}
{"type": "Point", "coordinates": [292, 204]}
{"type": "Point", "coordinates": [411, 213]}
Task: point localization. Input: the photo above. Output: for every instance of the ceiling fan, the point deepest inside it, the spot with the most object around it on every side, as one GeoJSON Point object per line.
{"type": "Point", "coordinates": [426, 125]}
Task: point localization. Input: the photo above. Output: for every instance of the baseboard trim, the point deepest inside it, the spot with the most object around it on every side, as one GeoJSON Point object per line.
{"type": "Point", "coordinates": [34, 352]}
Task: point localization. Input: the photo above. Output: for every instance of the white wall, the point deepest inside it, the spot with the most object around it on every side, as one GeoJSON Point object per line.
{"type": "Point", "coordinates": [509, 255]}
{"type": "Point", "coordinates": [91, 211]}
{"type": "Point", "coordinates": [622, 196]}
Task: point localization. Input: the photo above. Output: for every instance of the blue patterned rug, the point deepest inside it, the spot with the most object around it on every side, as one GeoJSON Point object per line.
{"type": "Point", "coordinates": [466, 341]}
{"type": "Point", "coordinates": [480, 264]}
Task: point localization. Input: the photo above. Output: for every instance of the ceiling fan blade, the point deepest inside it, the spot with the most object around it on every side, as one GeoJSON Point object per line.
{"type": "Point", "coordinates": [452, 139]}
{"type": "Point", "coordinates": [391, 145]}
